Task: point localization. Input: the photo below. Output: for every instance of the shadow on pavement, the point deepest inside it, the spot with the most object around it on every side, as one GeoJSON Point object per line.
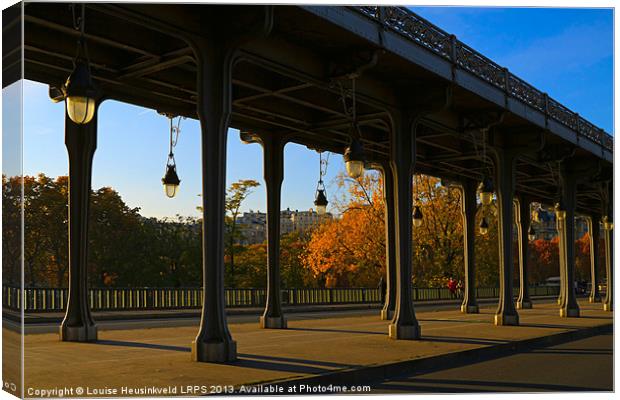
{"type": "Point", "coordinates": [142, 345]}
{"type": "Point", "coordinates": [337, 331]}
{"type": "Point", "coordinates": [435, 385]}
{"type": "Point", "coordinates": [444, 339]}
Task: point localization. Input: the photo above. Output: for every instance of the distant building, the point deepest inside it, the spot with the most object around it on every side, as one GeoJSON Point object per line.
{"type": "Point", "coordinates": [253, 224]}
{"type": "Point", "coordinates": [546, 227]}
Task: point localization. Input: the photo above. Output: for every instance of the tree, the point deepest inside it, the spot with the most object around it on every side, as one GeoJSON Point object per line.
{"type": "Point", "coordinates": [235, 196]}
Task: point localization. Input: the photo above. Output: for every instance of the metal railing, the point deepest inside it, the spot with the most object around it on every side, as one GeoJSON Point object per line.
{"type": "Point", "coordinates": [445, 45]}
{"type": "Point", "coordinates": [110, 299]}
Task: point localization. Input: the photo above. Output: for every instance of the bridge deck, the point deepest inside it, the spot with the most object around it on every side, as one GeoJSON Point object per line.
{"type": "Point", "coordinates": [312, 346]}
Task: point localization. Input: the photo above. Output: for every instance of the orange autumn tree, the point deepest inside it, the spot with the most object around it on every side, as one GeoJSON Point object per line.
{"type": "Point", "coordinates": [438, 242]}
{"type": "Point", "coordinates": [350, 250]}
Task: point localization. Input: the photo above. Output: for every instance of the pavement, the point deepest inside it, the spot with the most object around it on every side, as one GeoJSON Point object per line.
{"type": "Point", "coordinates": [347, 348]}
{"type": "Point", "coordinates": [47, 322]}
{"type": "Point", "coordinates": [580, 365]}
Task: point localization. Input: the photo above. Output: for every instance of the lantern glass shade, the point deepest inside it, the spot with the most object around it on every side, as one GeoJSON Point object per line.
{"type": "Point", "coordinates": [80, 94]}
{"type": "Point", "coordinates": [355, 169]}
{"type": "Point", "coordinates": [80, 109]}
{"type": "Point", "coordinates": [170, 190]}
{"type": "Point", "coordinates": [321, 202]}
{"type": "Point", "coordinates": [171, 181]}
{"type": "Point", "coordinates": [486, 191]}
{"type": "Point", "coordinates": [484, 226]}
{"type": "Point", "coordinates": [531, 233]}
{"type": "Point", "coordinates": [417, 217]}
{"type": "Point", "coordinates": [354, 159]}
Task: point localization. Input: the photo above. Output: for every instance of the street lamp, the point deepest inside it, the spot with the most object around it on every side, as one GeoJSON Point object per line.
{"type": "Point", "coordinates": [354, 158]}
{"type": "Point", "coordinates": [321, 202]}
{"type": "Point", "coordinates": [320, 199]}
{"type": "Point", "coordinates": [79, 92]}
{"type": "Point", "coordinates": [531, 233]}
{"type": "Point", "coordinates": [417, 216]}
{"type": "Point", "coordinates": [486, 191]}
{"type": "Point", "coordinates": [484, 226]}
{"type": "Point", "coordinates": [171, 180]}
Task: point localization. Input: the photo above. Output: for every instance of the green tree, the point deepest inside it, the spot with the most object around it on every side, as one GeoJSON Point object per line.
{"type": "Point", "coordinates": [235, 196]}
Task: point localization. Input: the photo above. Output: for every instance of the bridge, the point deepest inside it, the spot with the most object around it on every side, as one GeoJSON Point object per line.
{"type": "Point", "coordinates": [379, 84]}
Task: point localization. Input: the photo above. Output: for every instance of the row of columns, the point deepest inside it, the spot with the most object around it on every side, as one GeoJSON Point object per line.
{"type": "Point", "coordinates": [213, 342]}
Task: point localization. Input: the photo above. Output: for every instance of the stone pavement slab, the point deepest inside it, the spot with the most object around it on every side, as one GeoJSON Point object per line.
{"type": "Point", "coordinates": [160, 357]}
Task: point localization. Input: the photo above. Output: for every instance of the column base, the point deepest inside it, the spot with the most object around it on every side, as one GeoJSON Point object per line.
{"type": "Point", "coordinates": [214, 352]}
{"type": "Point", "coordinates": [468, 309]}
{"type": "Point", "coordinates": [596, 299]}
{"type": "Point", "coordinates": [608, 307]}
{"type": "Point", "coordinates": [78, 333]}
{"type": "Point", "coordinates": [272, 322]}
{"type": "Point", "coordinates": [404, 332]}
{"type": "Point", "coordinates": [569, 312]}
{"type": "Point", "coordinates": [501, 319]}
{"type": "Point", "coordinates": [387, 315]}
{"type": "Point", "coordinates": [524, 305]}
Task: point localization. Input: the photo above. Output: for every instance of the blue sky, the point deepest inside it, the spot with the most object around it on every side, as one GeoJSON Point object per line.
{"type": "Point", "coordinates": [566, 52]}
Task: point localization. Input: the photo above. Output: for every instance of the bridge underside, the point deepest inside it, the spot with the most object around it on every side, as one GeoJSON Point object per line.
{"type": "Point", "coordinates": [291, 82]}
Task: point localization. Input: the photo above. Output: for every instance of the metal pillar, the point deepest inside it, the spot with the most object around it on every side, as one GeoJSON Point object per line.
{"type": "Point", "coordinates": [468, 210]}
{"type": "Point", "coordinates": [273, 171]}
{"type": "Point", "coordinates": [594, 232]}
{"type": "Point", "coordinates": [506, 313]}
{"type": "Point", "coordinates": [608, 302]}
{"type": "Point", "coordinates": [81, 141]}
{"type": "Point", "coordinates": [213, 342]}
{"type": "Point", "coordinates": [404, 325]}
{"type": "Point", "coordinates": [569, 306]}
{"type": "Point", "coordinates": [387, 313]}
{"type": "Point", "coordinates": [523, 225]}
{"type": "Point", "coordinates": [561, 248]}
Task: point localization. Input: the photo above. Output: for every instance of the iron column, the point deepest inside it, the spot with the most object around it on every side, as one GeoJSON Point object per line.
{"type": "Point", "coordinates": [568, 182]}
{"type": "Point", "coordinates": [505, 160]}
{"type": "Point", "coordinates": [523, 225]}
{"type": "Point", "coordinates": [468, 210]}
{"type": "Point", "coordinates": [273, 170]}
{"type": "Point", "coordinates": [213, 342]}
{"type": "Point", "coordinates": [81, 141]}
{"type": "Point", "coordinates": [608, 303]}
{"type": "Point", "coordinates": [404, 325]}
{"type": "Point", "coordinates": [387, 313]}
{"type": "Point", "coordinates": [594, 231]}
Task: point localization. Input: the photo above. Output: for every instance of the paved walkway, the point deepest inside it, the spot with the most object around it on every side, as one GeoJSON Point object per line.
{"type": "Point", "coordinates": [160, 357]}
{"type": "Point", "coordinates": [580, 365]}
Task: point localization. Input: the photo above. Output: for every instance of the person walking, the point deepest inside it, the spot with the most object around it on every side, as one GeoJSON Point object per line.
{"type": "Point", "coordinates": [452, 287]}
{"type": "Point", "coordinates": [382, 289]}
{"type": "Point", "coordinates": [459, 289]}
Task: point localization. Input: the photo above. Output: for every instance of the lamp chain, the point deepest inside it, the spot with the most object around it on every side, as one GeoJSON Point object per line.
{"type": "Point", "coordinates": [174, 138]}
